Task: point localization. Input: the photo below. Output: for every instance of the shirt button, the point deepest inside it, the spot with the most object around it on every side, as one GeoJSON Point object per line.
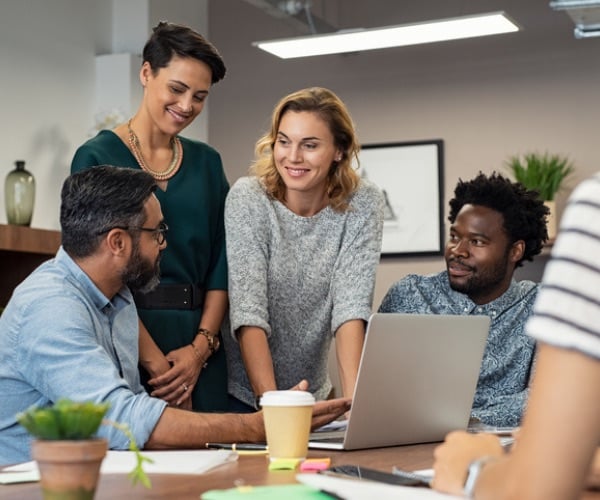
{"type": "Point", "coordinates": [479, 310]}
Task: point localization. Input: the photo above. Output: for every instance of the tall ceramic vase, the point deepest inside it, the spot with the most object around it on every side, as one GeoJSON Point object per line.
{"type": "Point", "coordinates": [19, 195]}
{"type": "Point", "coordinates": [69, 470]}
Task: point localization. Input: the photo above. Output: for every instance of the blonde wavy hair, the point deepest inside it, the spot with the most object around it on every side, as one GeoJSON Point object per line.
{"type": "Point", "coordinates": [342, 180]}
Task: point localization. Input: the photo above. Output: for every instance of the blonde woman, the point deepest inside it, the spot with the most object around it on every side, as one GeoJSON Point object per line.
{"type": "Point", "coordinates": [303, 242]}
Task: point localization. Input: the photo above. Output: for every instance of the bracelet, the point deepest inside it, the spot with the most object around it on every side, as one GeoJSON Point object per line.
{"type": "Point", "coordinates": [196, 351]}
{"type": "Point", "coordinates": [199, 356]}
{"type": "Point", "coordinates": [213, 341]}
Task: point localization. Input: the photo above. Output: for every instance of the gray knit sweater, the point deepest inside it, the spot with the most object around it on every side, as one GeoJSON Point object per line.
{"type": "Point", "coordinates": [298, 278]}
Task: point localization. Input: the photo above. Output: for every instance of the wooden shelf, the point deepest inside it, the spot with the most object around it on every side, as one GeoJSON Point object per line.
{"type": "Point", "coordinates": [30, 240]}
{"type": "Point", "coordinates": [22, 249]}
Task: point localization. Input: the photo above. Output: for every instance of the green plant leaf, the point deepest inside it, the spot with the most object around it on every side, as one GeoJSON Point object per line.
{"type": "Point", "coordinates": [544, 173]}
{"type": "Point", "coordinates": [71, 420]}
{"type": "Point", "coordinates": [137, 474]}
{"type": "Point", "coordinates": [40, 422]}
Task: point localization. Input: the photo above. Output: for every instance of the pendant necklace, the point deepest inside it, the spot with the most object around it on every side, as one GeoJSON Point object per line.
{"type": "Point", "coordinates": [174, 165]}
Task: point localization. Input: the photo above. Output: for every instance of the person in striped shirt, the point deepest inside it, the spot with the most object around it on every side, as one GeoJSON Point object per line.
{"type": "Point", "coordinates": [556, 451]}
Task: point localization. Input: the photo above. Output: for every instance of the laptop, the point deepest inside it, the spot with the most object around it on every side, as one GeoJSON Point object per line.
{"type": "Point", "coordinates": [416, 381]}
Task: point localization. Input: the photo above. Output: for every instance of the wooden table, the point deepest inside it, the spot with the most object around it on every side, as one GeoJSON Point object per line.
{"type": "Point", "coordinates": [251, 470]}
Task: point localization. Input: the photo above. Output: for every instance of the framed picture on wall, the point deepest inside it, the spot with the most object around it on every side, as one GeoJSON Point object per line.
{"type": "Point", "coordinates": [410, 174]}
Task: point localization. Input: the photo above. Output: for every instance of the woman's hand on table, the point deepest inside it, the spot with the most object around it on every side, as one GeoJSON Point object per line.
{"type": "Point", "coordinates": [176, 385]}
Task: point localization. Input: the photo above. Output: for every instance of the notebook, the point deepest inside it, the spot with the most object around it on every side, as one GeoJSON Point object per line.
{"type": "Point", "coordinates": [416, 381]}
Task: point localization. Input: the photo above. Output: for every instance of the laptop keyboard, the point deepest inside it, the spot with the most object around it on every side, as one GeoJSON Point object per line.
{"type": "Point", "coordinates": [319, 439]}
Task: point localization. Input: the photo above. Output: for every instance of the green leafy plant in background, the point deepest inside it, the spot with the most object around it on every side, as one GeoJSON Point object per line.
{"type": "Point", "coordinates": [543, 172]}
{"type": "Point", "coordinates": [74, 421]}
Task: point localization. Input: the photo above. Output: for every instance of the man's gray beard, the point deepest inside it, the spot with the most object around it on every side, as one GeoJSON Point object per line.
{"type": "Point", "coordinates": [138, 276]}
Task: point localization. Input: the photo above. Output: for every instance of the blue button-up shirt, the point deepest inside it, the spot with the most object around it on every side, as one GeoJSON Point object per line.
{"type": "Point", "coordinates": [60, 337]}
{"type": "Point", "coordinates": [502, 388]}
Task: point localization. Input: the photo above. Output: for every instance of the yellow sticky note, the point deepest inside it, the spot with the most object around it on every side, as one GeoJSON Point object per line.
{"type": "Point", "coordinates": [284, 464]}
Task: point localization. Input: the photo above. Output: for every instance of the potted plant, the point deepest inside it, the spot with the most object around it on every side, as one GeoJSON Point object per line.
{"type": "Point", "coordinates": [546, 174]}
{"type": "Point", "coordinates": [68, 454]}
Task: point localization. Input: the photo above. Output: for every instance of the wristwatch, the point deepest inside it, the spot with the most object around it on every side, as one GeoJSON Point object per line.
{"type": "Point", "coordinates": [475, 468]}
{"type": "Point", "coordinates": [213, 341]}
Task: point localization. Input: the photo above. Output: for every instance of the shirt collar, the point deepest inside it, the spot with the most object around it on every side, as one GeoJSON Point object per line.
{"type": "Point", "coordinates": [506, 300]}
{"type": "Point", "coordinates": [100, 301]}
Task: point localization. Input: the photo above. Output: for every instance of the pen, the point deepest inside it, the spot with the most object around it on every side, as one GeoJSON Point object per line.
{"type": "Point", "coordinates": [237, 447]}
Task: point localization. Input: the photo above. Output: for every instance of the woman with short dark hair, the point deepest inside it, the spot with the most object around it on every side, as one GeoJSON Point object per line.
{"type": "Point", "coordinates": [181, 319]}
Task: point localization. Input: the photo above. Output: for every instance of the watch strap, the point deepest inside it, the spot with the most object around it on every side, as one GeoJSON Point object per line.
{"type": "Point", "coordinates": [473, 472]}
{"type": "Point", "coordinates": [213, 342]}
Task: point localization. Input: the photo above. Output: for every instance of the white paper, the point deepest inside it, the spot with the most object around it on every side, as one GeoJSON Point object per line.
{"type": "Point", "coordinates": [428, 473]}
{"type": "Point", "coordinates": [354, 489]}
{"type": "Point", "coordinates": [168, 462]}
{"type": "Point", "coordinates": [19, 477]}
{"type": "Point", "coordinates": [22, 467]}
{"type": "Point", "coordinates": [164, 462]}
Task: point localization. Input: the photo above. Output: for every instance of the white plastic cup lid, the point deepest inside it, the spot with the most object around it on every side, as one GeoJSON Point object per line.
{"type": "Point", "coordinates": [287, 398]}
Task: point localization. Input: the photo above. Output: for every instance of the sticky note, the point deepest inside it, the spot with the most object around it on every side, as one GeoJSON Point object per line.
{"type": "Point", "coordinates": [274, 492]}
{"type": "Point", "coordinates": [313, 464]}
{"type": "Point", "coordinates": [284, 464]}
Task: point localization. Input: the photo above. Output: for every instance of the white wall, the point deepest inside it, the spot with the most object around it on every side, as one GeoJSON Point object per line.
{"type": "Point", "coordinates": [486, 98]}
{"type": "Point", "coordinates": [47, 97]}
{"type": "Point", "coordinates": [47, 57]}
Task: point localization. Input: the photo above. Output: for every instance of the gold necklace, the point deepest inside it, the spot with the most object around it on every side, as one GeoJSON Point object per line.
{"type": "Point", "coordinates": [173, 167]}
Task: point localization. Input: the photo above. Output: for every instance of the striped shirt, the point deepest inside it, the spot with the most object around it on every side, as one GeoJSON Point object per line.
{"type": "Point", "coordinates": [567, 311]}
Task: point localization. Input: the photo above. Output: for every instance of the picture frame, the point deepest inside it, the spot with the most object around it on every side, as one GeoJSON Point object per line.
{"type": "Point", "coordinates": [411, 176]}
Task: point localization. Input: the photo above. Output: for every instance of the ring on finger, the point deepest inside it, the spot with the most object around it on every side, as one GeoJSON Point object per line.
{"type": "Point", "coordinates": [185, 387]}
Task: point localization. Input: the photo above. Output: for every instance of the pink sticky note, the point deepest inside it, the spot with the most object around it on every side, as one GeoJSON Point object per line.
{"type": "Point", "coordinates": [313, 464]}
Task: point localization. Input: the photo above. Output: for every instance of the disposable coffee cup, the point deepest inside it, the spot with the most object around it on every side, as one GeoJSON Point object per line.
{"type": "Point", "coordinates": [288, 416]}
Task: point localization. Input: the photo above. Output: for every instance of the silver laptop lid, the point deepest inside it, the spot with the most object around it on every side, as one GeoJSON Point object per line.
{"type": "Point", "coordinates": [417, 378]}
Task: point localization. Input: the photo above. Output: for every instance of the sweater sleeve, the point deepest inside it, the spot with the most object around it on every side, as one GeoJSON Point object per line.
{"type": "Point", "coordinates": [246, 232]}
{"type": "Point", "coordinates": [354, 278]}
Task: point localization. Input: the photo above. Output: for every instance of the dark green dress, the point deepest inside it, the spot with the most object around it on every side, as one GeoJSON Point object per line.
{"type": "Point", "coordinates": [193, 209]}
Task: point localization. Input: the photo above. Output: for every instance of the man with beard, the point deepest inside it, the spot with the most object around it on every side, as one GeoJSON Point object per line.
{"type": "Point", "coordinates": [70, 330]}
{"type": "Point", "coordinates": [495, 226]}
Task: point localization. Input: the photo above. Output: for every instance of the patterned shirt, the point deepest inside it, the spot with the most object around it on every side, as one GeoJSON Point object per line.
{"type": "Point", "coordinates": [502, 388]}
{"type": "Point", "coordinates": [567, 313]}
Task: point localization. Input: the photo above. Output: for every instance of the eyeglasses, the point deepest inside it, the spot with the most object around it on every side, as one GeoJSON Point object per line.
{"type": "Point", "coordinates": [160, 232]}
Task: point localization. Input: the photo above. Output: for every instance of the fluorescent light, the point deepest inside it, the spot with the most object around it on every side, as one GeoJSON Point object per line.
{"type": "Point", "coordinates": [573, 4]}
{"type": "Point", "coordinates": [390, 36]}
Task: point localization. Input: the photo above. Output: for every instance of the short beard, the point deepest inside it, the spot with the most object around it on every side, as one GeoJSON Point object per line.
{"type": "Point", "coordinates": [140, 275]}
{"type": "Point", "coordinates": [482, 284]}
